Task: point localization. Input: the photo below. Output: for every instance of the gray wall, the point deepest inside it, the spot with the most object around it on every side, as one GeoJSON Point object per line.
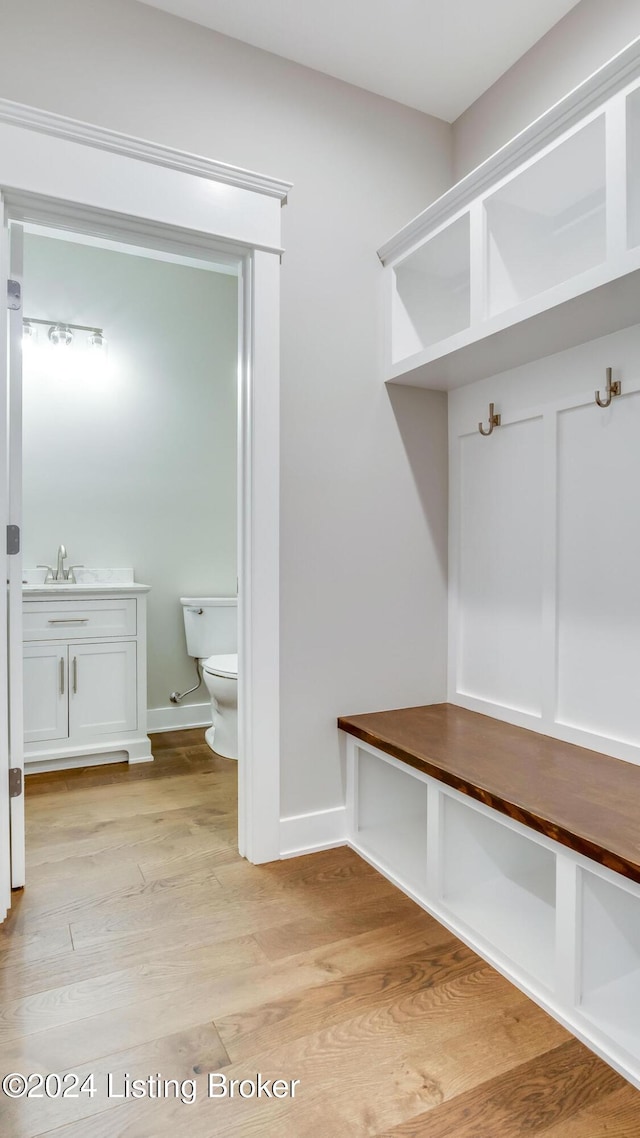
{"type": "Point", "coordinates": [580, 43]}
{"type": "Point", "coordinates": [363, 535]}
{"type": "Point", "coordinates": [135, 467]}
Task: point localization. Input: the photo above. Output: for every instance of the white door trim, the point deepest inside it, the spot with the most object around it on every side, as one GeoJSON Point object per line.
{"type": "Point", "coordinates": [99, 137]}
{"type": "Point", "coordinates": [52, 167]}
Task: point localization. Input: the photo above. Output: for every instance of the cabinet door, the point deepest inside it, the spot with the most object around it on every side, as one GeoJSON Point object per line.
{"type": "Point", "coordinates": [102, 695]}
{"type": "Point", "coordinates": [45, 692]}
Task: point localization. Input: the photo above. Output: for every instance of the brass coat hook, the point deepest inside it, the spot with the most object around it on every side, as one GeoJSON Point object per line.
{"type": "Point", "coordinates": [494, 421]}
{"type": "Point", "coordinates": [613, 389]}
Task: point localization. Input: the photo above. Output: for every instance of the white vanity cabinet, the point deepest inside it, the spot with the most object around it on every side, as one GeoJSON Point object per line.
{"type": "Point", "coordinates": [84, 676]}
{"type": "Point", "coordinates": [46, 704]}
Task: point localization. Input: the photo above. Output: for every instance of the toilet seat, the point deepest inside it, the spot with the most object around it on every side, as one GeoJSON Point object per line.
{"type": "Point", "coordinates": [225, 666]}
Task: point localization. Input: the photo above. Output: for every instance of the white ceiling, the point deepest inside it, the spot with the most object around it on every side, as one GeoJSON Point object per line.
{"type": "Point", "coordinates": [436, 55]}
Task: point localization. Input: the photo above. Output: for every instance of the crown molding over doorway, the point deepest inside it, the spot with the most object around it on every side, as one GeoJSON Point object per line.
{"type": "Point", "coordinates": [60, 126]}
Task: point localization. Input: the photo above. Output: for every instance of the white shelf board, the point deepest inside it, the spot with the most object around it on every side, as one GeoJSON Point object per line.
{"type": "Point", "coordinates": [527, 335]}
{"type": "Point", "coordinates": [615, 1009]}
{"type": "Point", "coordinates": [514, 918]}
{"type": "Point", "coordinates": [402, 848]}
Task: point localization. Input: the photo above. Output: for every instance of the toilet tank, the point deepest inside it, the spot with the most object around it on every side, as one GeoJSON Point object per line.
{"type": "Point", "coordinates": [210, 625]}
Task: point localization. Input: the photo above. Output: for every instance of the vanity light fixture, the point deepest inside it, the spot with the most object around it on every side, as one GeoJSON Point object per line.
{"type": "Point", "coordinates": [62, 334]}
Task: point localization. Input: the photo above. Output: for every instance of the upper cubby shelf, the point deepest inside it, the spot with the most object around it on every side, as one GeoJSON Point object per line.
{"type": "Point", "coordinates": [535, 251]}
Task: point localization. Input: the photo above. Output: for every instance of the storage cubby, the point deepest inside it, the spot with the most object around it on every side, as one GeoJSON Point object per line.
{"type": "Point", "coordinates": [610, 989]}
{"type": "Point", "coordinates": [431, 291]}
{"type": "Point", "coordinates": [391, 822]}
{"type": "Point", "coordinates": [633, 169]}
{"type": "Point", "coordinates": [501, 884]}
{"type": "Point", "coordinates": [525, 256]}
{"type": "Point", "coordinates": [547, 224]}
{"type": "Point", "coordinates": [561, 925]}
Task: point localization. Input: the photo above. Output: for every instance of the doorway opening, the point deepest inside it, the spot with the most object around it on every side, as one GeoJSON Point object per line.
{"type": "Point", "coordinates": [126, 441]}
{"type": "Point", "coordinates": [60, 173]}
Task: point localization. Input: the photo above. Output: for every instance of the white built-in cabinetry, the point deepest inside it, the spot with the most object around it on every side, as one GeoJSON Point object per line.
{"type": "Point", "coordinates": [84, 675]}
{"type": "Point", "coordinates": [514, 292]}
{"type": "Point", "coordinates": [562, 927]}
{"type": "Point", "coordinates": [535, 251]}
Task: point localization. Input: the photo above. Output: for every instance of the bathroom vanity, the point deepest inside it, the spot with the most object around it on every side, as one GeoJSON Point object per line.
{"type": "Point", "coordinates": [85, 673]}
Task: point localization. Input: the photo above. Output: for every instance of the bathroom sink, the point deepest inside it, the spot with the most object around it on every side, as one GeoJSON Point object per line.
{"type": "Point", "coordinates": [92, 581]}
{"type": "Point", "coordinates": [83, 587]}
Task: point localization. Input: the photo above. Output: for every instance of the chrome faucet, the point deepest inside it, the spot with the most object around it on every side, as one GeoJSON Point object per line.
{"type": "Point", "coordinates": [60, 573]}
{"type": "Point", "coordinates": [62, 556]}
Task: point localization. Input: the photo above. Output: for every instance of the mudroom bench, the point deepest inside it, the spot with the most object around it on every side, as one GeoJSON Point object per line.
{"type": "Point", "coordinates": [526, 847]}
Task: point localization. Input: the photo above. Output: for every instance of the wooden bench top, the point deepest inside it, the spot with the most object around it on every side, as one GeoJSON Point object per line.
{"type": "Point", "coordinates": [587, 801]}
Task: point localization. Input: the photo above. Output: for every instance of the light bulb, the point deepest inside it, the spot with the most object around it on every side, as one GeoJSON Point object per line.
{"type": "Point", "coordinates": [60, 334]}
{"type": "Point", "coordinates": [96, 339]}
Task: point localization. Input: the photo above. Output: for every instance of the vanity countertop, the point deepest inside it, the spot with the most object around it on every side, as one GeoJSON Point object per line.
{"type": "Point", "coordinates": [90, 582]}
{"type": "Point", "coordinates": [87, 589]}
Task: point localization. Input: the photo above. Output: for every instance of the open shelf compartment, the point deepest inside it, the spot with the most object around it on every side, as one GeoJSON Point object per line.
{"type": "Point", "coordinates": [431, 291]}
{"type": "Point", "coordinates": [548, 223]}
{"type": "Point", "coordinates": [633, 169]}
{"type": "Point", "coordinates": [391, 823]}
{"type": "Point", "coordinates": [610, 940]}
{"type": "Point", "coordinates": [502, 885]}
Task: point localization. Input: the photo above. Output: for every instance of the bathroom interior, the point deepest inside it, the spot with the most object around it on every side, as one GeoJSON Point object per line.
{"type": "Point", "coordinates": [129, 448]}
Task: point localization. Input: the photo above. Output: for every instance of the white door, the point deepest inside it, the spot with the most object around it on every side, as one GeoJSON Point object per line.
{"type": "Point", "coordinates": [14, 450]}
{"type": "Point", "coordinates": [5, 841]}
{"type": "Point", "coordinates": [46, 704]}
{"type": "Point", "coordinates": [12, 847]}
{"type": "Point", "coordinates": [102, 689]}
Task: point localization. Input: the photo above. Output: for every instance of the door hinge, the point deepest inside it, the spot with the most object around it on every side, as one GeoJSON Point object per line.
{"type": "Point", "coordinates": [14, 296]}
{"type": "Point", "coordinates": [15, 782]}
{"type": "Point", "coordinates": [13, 540]}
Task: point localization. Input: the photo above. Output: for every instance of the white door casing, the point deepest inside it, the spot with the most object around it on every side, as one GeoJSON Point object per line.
{"type": "Point", "coordinates": [14, 449]}
{"type": "Point", "coordinates": [70, 175]}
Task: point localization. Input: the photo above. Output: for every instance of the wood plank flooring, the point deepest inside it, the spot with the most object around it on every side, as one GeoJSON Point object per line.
{"type": "Point", "coordinates": [145, 946]}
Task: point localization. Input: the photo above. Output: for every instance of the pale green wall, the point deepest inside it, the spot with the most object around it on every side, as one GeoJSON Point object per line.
{"type": "Point", "coordinates": [137, 467]}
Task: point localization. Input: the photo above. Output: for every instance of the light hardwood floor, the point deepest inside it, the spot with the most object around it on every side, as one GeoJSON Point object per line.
{"type": "Point", "coordinates": [144, 945]}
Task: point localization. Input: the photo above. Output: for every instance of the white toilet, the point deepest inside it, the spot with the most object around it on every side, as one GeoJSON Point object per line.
{"type": "Point", "coordinates": [211, 629]}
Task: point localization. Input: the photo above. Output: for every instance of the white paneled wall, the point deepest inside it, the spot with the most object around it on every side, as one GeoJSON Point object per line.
{"type": "Point", "coordinates": [500, 529]}
{"type": "Point", "coordinates": [545, 549]}
{"type": "Point", "coordinates": [599, 568]}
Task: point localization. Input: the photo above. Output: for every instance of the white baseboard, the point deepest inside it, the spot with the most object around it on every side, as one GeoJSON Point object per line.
{"type": "Point", "coordinates": [69, 762]}
{"type": "Point", "coordinates": [177, 717]}
{"type": "Point", "coordinates": [308, 833]}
